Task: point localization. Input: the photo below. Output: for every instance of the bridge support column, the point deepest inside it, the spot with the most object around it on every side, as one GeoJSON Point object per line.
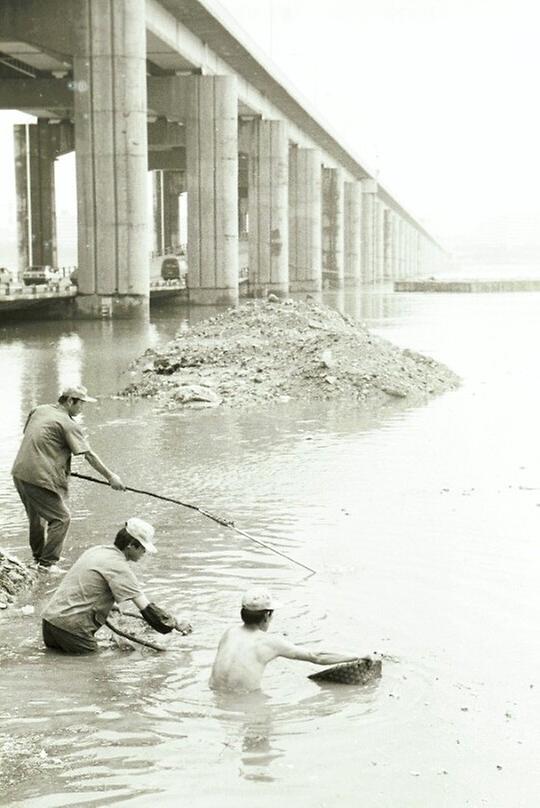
{"type": "Point", "coordinates": [166, 188]}
{"type": "Point", "coordinates": [332, 226]}
{"type": "Point", "coordinates": [352, 233]}
{"type": "Point", "coordinates": [402, 248]}
{"type": "Point", "coordinates": [173, 186]}
{"type": "Point", "coordinates": [414, 257]}
{"type": "Point", "coordinates": [112, 158]}
{"type": "Point", "coordinates": [408, 250]}
{"type": "Point", "coordinates": [20, 134]}
{"type": "Point", "coordinates": [421, 255]}
{"type": "Point", "coordinates": [157, 210]}
{"type": "Point", "coordinates": [35, 153]}
{"type": "Point", "coordinates": [305, 220]}
{"type": "Point", "coordinates": [378, 235]}
{"type": "Point", "coordinates": [212, 184]}
{"type": "Point", "coordinates": [394, 266]}
{"type": "Point", "coordinates": [388, 244]}
{"type": "Point", "coordinates": [268, 194]}
{"type": "Point", "coordinates": [369, 199]}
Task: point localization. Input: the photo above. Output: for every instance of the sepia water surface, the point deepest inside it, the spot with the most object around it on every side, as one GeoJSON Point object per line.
{"type": "Point", "coordinates": [422, 524]}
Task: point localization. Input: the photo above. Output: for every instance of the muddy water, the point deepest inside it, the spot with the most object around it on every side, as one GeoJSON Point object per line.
{"type": "Point", "coordinates": [422, 525]}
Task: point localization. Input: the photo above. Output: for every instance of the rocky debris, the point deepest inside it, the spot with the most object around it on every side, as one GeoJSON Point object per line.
{"type": "Point", "coordinates": [279, 351]}
{"type": "Point", "coordinates": [15, 578]}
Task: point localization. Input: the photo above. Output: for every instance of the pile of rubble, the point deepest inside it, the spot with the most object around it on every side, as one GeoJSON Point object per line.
{"type": "Point", "coordinates": [279, 351]}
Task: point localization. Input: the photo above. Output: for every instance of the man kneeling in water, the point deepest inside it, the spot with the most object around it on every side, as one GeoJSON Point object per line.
{"type": "Point", "coordinates": [98, 579]}
{"type": "Point", "coordinates": [244, 651]}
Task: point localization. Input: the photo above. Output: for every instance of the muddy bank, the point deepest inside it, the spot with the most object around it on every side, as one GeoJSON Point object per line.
{"type": "Point", "coordinates": [15, 578]}
{"type": "Point", "coordinates": [278, 351]}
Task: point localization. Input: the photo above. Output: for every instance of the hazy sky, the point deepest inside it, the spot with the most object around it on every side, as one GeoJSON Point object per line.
{"type": "Point", "coordinates": [439, 96]}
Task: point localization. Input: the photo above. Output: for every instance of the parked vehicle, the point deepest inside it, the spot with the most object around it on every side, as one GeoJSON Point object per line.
{"type": "Point", "coordinates": [170, 268]}
{"type": "Point", "coordinates": [36, 275]}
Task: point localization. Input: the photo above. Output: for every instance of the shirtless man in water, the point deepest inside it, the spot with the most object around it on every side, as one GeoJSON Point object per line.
{"type": "Point", "coordinates": [244, 651]}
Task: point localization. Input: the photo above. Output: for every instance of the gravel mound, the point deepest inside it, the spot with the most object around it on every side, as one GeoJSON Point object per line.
{"type": "Point", "coordinates": [277, 351]}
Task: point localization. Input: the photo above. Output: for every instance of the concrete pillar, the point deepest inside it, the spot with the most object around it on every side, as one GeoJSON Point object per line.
{"type": "Point", "coordinates": [414, 255]}
{"type": "Point", "coordinates": [421, 255]}
{"type": "Point", "coordinates": [394, 220]}
{"type": "Point", "coordinates": [405, 270]}
{"type": "Point", "coordinates": [305, 220]}
{"type": "Point", "coordinates": [268, 208]}
{"type": "Point", "coordinates": [167, 187]}
{"type": "Point", "coordinates": [35, 153]}
{"type": "Point", "coordinates": [157, 211]}
{"type": "Point", "coordinates": [369, 191]}
{"type": "Point", "coordinates": [378, 249]}
{"type": "Point", "coordinates": [352, 233]}
{"type": "Point", "coordinates": [20, 134]}
{"type": "Point", "coordinates": [388, 244]}
{"type": "Point", "coordinates": [409, 248]}
{"type": "Point", "coordinates": [399, 247]}
{"type": "Point", "coordinates": [173, 186]}
{"type": "Point", "coordinates": [112, 158]}
{"type": "Point", "coordinates": [403, 249]}
{"type": "Point", "coordinates": [42, 198]}
{"type": "Point", "coordinates": [332, 226]}
{"type": "Point", "coordinates": [212, 183]}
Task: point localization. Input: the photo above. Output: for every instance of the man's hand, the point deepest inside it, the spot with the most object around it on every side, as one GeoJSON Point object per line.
{"type": "Point", "coordinates": [183, 626]}
{"type": "Point", "coordinates": [116, 483]}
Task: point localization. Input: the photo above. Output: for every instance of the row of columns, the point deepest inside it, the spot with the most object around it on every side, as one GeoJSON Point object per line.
{"type": "Point", "coordinates": [308, 223]}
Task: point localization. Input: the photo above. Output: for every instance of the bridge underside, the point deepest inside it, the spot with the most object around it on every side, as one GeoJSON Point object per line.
{"type": "Point", "coordinates": [161, 87]}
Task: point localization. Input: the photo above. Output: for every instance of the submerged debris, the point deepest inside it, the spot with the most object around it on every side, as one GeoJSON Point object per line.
{"type": "Point", "coordinates": [270, 352]}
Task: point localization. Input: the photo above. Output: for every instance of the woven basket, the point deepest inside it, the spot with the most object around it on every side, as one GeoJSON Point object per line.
{"type": "Point", "coordinates": [358, 672]}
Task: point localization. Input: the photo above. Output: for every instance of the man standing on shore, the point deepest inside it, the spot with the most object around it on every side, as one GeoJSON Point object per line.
{"type": "Point", "coordinates": [41, 471]}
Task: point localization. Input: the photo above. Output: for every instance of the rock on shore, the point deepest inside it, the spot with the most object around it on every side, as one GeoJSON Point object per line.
{"type": "Point", "coordinates": [278, 351]}
{"type": "Point", "coordinates": [15, 578]}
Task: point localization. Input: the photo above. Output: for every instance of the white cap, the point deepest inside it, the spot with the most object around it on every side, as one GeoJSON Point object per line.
{"type": "Point", "coordinates": [142, 532]}
{"type": "Point", "coordinates": [79, 392]}
{"type": "Point", "coordinates": [258, 600]}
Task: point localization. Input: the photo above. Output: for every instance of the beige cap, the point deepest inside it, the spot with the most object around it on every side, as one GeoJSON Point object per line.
{"type": "Point", "coordinates": [258, 600]}
{"type": "Point", "coordinates": [142, 532]}
{"type": "Point", "coordinates": [79, 392]}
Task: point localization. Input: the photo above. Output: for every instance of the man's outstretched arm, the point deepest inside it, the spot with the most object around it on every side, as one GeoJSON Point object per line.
{"type": "Point", "coordinates": [112, 478]}
{"type": "Point", "coordinates": [288, 650]}
{"type": "Point", "coordinates": [158, 618]}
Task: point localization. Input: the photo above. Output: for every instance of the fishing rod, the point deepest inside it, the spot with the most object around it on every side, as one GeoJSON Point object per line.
{"type": "Point", "coordinates": [220, 520]}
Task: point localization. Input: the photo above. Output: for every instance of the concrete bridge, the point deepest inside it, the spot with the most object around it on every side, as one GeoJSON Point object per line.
{"type": "Point", "coordinates": [166, 86]}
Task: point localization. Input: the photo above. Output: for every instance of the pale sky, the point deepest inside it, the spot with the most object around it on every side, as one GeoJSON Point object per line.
{"type": "Point", "coordinates": [439, 97]}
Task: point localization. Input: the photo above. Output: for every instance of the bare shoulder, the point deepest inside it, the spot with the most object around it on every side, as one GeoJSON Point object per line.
{"type": "Point", "coordinates": [227, 634]}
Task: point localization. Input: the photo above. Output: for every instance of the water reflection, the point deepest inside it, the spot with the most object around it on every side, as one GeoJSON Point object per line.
{"type": "Point", "coordinates": [69, 361]}
{"type": "Point", "coordinates": [248, 733]}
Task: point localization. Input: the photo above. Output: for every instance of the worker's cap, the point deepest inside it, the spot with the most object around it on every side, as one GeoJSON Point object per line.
{"type": "Point", "coordinates": [79, 392]}
{"type": "Point", "coordinates": [258, 600]}
{"type": "Point", "coordinates": [143, 532]}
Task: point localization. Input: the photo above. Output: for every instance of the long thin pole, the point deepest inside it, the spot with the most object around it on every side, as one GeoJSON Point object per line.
{"type": "Point", "coordinates": [218, 519]}
{"type": "Point", "coordinates": [131, 637]}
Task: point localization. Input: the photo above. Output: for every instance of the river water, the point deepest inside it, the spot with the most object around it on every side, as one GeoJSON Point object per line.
{"type": "Point", "coordinates": [422, 524]}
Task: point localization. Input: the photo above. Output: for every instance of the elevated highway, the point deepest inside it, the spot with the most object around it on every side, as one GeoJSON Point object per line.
{"type": "Point", "coordinates": [169, 86]}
